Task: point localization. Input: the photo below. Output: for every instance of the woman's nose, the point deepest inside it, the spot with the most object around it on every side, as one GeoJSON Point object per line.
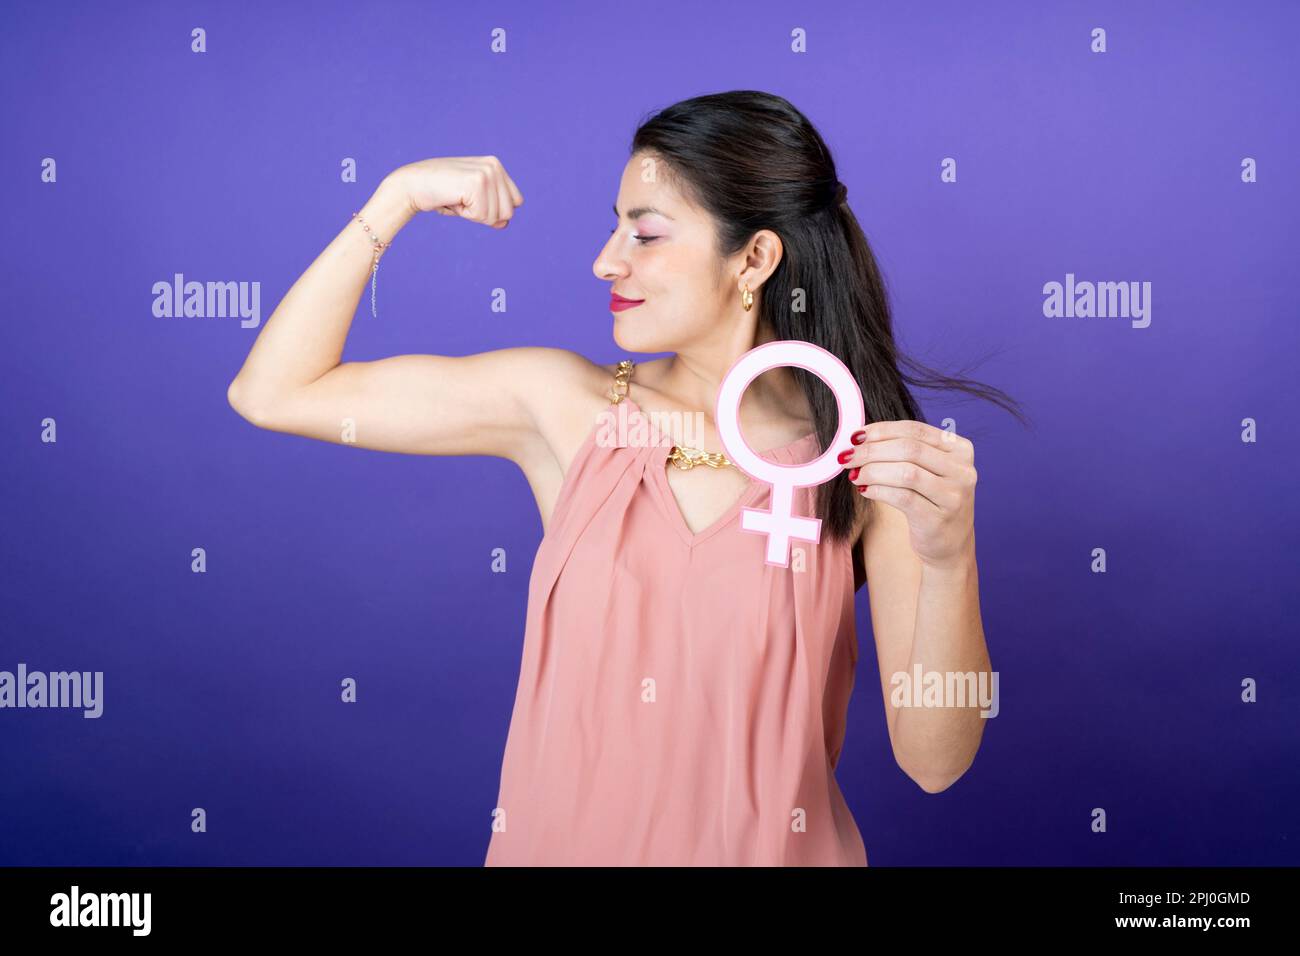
{"type": "Point", "coordinates": [607, 266]}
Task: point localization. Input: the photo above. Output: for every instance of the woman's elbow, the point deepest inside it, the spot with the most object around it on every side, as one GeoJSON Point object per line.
{"type": "Point", "coordinates": [935, 784]}
{"type": "Point", "coordinates": [245, 402]}
{"type": "Point", "coordinates": [933, 779]}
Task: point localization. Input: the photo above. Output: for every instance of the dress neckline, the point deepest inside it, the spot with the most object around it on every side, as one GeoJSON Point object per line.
{"type": "Point", "coordinates": [783, 454]}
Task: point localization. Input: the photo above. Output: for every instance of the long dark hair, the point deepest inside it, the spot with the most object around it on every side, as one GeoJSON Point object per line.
{"type": "Point", "coordinates": [753, 161]}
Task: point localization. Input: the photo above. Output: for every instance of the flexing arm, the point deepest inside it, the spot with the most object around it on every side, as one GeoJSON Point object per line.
{"type": "Point", "coordinates": [293, 380]}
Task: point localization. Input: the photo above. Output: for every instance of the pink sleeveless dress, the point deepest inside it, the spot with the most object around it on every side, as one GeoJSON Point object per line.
{"type": "Point", "coordinates": [680, 702]}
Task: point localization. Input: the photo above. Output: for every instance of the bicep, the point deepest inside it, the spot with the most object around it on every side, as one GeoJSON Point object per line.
{"type": "Point", "coordinates": [481, 404]}
{"type": "Point", "coordinates": [893, 581]}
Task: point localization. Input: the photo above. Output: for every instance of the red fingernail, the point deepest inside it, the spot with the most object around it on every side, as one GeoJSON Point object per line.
{"type": "Point", "coordinates": [845, 456]}
{"type": "Point", "coordinates": [854, 474]}
{"type": "Point", "coordinates": [859, 436]}
{"type": "Point", "coordinates": [863, 487]}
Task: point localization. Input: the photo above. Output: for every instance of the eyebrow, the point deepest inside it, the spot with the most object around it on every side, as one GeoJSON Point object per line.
{"type": "Point", "coordinates": [641, 211]}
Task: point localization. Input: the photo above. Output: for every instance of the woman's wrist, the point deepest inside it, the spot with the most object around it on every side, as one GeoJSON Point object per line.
{"type": "Point", "coordinates": [389, 207]}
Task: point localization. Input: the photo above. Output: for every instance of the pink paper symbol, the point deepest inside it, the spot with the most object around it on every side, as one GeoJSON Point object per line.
{"type": "Point", "coordinates": [780, 523]}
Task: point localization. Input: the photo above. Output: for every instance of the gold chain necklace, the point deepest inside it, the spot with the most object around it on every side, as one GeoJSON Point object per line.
{"type": "Point", "coordinates": [682, 457]}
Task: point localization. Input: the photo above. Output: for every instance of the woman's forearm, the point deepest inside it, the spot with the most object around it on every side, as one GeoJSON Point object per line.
{"type": "Point", "coordinates": [303, 338]}
{"type": "Point", "coordinates": [941, 742]}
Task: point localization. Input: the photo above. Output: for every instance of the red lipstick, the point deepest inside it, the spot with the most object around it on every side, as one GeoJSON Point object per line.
{"type": "Point", "coordinates": [618, 303]}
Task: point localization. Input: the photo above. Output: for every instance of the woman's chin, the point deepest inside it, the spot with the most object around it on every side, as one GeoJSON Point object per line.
{"type": "Point", "coordinates": [624, 337]}
{"type": "Point", "coordinates": [636, 336]}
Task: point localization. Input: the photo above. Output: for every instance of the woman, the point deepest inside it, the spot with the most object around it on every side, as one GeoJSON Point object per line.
{"type": "Point", "coordinates": [680, 701]}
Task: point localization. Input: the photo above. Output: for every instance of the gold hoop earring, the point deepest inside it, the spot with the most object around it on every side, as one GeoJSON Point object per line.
{"type": "Point", "coordinates": [747, 299]}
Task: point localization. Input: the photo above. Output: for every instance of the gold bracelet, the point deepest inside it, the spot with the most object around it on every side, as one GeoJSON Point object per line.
{"type": "Point", "coordinates": [379, 246]}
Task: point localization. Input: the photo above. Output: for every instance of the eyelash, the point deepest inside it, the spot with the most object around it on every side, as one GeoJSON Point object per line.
{"type": "Point", "coordinates": [641, 239]}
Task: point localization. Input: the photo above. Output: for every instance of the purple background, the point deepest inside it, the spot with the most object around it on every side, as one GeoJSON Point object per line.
{"type": "Point", "coordinates": [1119, 690]}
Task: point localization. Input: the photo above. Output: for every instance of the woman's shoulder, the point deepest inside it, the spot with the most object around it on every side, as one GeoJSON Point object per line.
{"type": "Point", "coordinates": [565, 377]}
{"type": "Point", "coordinates": [643, 372]}
{"type": "Point", "coordinates": [645, 375]}
{"type": "Point", "coordinates": [574, 391]}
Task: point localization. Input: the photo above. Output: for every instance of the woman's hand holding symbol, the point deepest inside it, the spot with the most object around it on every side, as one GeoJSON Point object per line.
{"type": "Point", "coordinates": [926, 473]}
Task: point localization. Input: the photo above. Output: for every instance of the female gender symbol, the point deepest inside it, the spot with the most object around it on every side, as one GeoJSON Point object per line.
{"type": "Point", "coordinates": [781, 524]}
